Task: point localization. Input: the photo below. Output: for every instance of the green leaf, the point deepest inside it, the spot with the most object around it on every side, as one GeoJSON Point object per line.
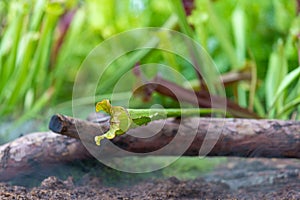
{"type": "Point", "coordinates": [142, 120]}
{"type": "Point", "coordinates": [120, 120]}
{"type": "Point", "coordinates": [287, 81]}
{"type": "Point", "coordinates": [289, 106]}
{"type": "Point", "coordinates": [277, 70]}
{"type": "Point", "coordinates": [104, 105]}
{"type": "Point", "coordinates": [239, 27]}
{"type": "Point", "coordinates": [222, 34]}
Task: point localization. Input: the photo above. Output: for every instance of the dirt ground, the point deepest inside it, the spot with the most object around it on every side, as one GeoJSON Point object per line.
{"type": "Point", "coordinates": [237, 179]}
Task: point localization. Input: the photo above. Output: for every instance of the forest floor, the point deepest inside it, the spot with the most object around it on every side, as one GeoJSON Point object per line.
{"type": "Point", "coordinates": [236, 179]}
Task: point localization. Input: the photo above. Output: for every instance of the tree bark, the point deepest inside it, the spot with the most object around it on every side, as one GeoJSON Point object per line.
{"type": "Point", "coordinates": [223, 137]}
{"type": "Point", "coordinates": [34, 150]}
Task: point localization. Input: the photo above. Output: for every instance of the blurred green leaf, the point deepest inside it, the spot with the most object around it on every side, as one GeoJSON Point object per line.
{"type": "Point", "coordinates": [286, 82]}
{"type": "Point", "coordinates": [277, 69]}
{"type": "Point", "coordinates": [239, 27]}
{"type": "Point", "coordinates": [290, 106]}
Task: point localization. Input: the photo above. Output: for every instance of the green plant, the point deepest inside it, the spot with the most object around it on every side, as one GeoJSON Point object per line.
{"type": "Point", "coordinates": [260, 38]}
{"type": "Point", "coordinates": [43, 43]}
{"type": "Point", "coordinates": [282, 81]}
{"type": "Point", "coordinates": [25, 49]}
{"type": "Point", "coordinates": [121, 119]}
{"type": "Point", "coordinates": [39, 60]}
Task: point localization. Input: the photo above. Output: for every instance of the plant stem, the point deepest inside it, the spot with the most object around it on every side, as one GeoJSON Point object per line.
{"type": "Point", "coordinates": [171, 112]}
{"type": "Point", "coordinates": [121, 119]}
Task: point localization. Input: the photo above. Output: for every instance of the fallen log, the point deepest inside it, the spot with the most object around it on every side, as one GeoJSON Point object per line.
{"type": "Point", "coordinates": [42, 149]}
{"type": "Point", "coordinates": [223, 137]}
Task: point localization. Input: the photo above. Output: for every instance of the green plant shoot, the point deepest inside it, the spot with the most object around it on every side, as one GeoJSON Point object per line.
{"type": "Point", "coordinates": [122, 119]}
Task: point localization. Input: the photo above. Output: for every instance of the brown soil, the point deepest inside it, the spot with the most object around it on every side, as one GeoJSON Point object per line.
{"type": "Point", "coordinates": [237, 179]}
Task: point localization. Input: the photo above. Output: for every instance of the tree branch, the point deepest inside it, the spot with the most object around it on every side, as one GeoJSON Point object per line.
{"type": "Point", "coordinates": [233, 137]}
{"type": "Point", "coordinates": [41, 149]}
{"type": "Point", "coordinates": [227, 137]}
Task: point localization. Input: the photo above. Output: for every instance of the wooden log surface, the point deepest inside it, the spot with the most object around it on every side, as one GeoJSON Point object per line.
{"type": "Point", "coordinates": [223, 137]}
{"type": "Point", "coordinates": [42, 149]}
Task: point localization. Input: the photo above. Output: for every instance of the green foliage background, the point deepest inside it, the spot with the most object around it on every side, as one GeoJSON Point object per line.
{"type": "Point", "coordinates": [262, 36]}
{"type": "Point", "coordinates": [43, 43]}
{"type": "Point", "coordinates": [37, 70]}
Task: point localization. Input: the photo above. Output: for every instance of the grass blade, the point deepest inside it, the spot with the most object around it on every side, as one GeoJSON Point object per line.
{"type": "Point", "coordinates": [289, 106]}
{"type": "Point", "coordinates": [287, 81]}
{"type": "Point", "coordinates": [277, 69]}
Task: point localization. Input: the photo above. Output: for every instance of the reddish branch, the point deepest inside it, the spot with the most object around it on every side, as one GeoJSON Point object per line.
{"type": "Point", "coordinates": [203, 98]}
{"type": "Point", "coordinates": [198, 98]}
